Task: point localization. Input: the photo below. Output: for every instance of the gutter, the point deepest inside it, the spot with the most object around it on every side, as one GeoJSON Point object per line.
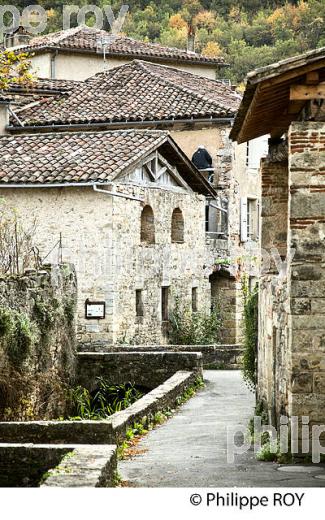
{"type": "Point", "coordinates": [121, 124]}
{"type": "Point", "coordinates": [122, 55]}
{"type": "Point", "coordinates": [74, 185]}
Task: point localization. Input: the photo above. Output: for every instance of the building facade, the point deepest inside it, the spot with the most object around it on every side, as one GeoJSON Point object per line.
{"type": "Point", "coordinates": [80, 52]}
{"type": "Point", "coordinates": [134, 228]}
{"type": "Point", "coordinates": [196, 111]}
{"type": "Point", "coordinates": [291, 370]}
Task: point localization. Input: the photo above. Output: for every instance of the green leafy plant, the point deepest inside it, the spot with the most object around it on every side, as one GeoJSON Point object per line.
{"type": "Point", "coordinates": [193, 328]}
{"type": "Point", "coordinates": [18, 334]}
{"type": "Point", "coordinates": [268, 453]}
{"type": "Point", "coordinates": [70, 310]}
{"type": "Point", "coordinates": [107, 400]}
{"type": "Point", "coordinates": [250, 336]}
{"type": "Point", "coordinates": [6, 322]}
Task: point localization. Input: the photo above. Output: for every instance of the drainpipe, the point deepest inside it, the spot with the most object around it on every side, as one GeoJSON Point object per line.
{"type": "Point", "coordinates": [191, 38]}
{"type": "Point", "coordinates": [52, 65]}
{"type": "Point", "coordinates": [116, 194]}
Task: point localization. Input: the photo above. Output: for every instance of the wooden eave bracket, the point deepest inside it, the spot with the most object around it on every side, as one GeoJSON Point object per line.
{"type": "Point", "coordinates": [307, 92]}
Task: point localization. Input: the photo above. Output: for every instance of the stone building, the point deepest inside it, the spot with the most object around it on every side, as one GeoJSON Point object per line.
{"type": "Point", "coordinates": [127, 207]}
{"type": "Point", "coordinates": [81, 52]}
{"type": "Point", "coordinates": [286, 100]}
{"type": "Point", "coordinates": [196, 111]}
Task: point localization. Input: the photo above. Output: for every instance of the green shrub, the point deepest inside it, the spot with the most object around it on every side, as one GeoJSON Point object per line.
{"type": "Point", "coordinates": [194, 328]}
{"type": "Point", "coordinates": [6, 322]}
{"type": "Point", "coordinates": [250, 337]}
{"type": "Point", "coordinates": [20, 339]}
{"type": "Point", "coordinates": [69, 310]}
{"type": "Point", "coordinates": [45, 315]}
{"type": "Point", "coordinates": [268, 452]}
{"type": "Point", "coordinates": [107, 400]}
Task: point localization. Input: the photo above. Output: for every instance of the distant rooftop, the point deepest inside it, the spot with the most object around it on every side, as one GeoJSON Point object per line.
{"type": "Point", "coordinates": [135, 92]}
{"type": "Point", "coordinates": [83, 38]}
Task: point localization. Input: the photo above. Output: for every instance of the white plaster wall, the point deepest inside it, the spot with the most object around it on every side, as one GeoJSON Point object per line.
{"type": "Point", "coordinates": [4, 118]}
{"type": "Point", "coordinates": [80, 66]}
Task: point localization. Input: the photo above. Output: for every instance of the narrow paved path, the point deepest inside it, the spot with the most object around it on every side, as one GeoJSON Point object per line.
{"type": "Point", "coordinates": [189, 450]}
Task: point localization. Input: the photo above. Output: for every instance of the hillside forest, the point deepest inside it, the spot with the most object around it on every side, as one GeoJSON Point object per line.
{"type": "Point", "coordinates": [247, 33]}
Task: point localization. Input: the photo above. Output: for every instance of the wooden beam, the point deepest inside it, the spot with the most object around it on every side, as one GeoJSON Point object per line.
{"type": "Point", "coordinates": [295, 72]}
{"type": "Point", "coordinates": [312, 78]}
{"type": "Point", "coordinates": [295, 107]}
{"type": "Point", "coordinates": [305, 92]}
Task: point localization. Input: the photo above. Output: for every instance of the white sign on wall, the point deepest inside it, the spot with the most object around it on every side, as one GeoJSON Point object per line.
{"type": "Point", "coordinates": [95, 310]}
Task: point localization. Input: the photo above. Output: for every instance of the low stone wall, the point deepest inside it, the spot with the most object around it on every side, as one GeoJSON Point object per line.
{"type": "Point", "coordinates": [57, 432]}
{"type": "Point", "coordinates": [99, 432]}
{"type": "Point", "coordinates": [161, 398]}
{"type": "Point", "coordinates": [23, 465]}
{"type": "Point", "coordinates": [88, 466]}
{"type": "Point", "coordinates": [213, 356]}
{"type": "Point", "coordinates": [32, 465]}
{"type": "Point", "coordinates": [148, 369]}
{"type": "Point", "coordinates": [37, 342]}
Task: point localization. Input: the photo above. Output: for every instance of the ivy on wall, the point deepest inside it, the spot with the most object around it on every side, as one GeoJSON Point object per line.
{"type": "Point", "coordinates": [250, 335]}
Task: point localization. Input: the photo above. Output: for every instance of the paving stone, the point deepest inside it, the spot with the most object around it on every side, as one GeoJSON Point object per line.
{"type": "Point", "coordinates": [190, 449]}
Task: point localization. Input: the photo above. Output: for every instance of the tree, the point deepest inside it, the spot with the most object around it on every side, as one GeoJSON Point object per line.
{"type": "Point", "coordinates": [212, 49]}
{"type": "Point", "coordinates": [14, 68]}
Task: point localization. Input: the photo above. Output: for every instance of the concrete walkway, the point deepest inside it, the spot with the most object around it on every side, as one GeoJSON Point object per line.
{"type": "Point", "coordinates": [189, 450]}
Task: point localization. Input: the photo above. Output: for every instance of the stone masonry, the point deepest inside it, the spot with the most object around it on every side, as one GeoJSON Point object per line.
{"type": "Point", "coordinates": [37, 367]}
{"type": "Point", "coordinates": [291, 371]}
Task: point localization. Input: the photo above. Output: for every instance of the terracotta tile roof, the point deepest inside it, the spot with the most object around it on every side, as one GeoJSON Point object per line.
{"type": "Point", "coordinates": [269, 87]}
{"type": "Point", "coordinates": [20, 96]}
{"type": "Point", "coordinates": [138, 91]}
{"type": "Point", "coordinates": [89, 39]}
{"type": "Point", "coordinates": [100, 157]}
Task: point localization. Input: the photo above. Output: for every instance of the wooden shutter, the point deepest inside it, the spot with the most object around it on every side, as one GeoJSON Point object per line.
{"type": "Point", "coordinates": [243, 219]}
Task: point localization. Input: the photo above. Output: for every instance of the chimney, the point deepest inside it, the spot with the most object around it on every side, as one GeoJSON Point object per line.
{"type": "Point", "coordinates": [4, 115]}
{"type": "Point", "coordinates": [191, 38]}
{"type": "Point", "coordinates": [16, 37]}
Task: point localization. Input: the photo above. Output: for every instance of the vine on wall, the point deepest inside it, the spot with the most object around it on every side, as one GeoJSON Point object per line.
{"type": "Point", "coordinates": [250, 335]}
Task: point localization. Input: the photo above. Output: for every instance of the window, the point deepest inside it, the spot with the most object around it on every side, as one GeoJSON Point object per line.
{"type": "Point", "coordinates": [249, 226]}
{"type": "Point", "coordinates": [252, 219]}
{"type": "Point", "coordinates": [255, 150]}
{"type": "Point", "coordinates": [194, 299]}
{"type": "Point", "coordinates": [216, 217]}
{"type": "Point", "coordinates": [177, 226]}
{"type": "Point", "coordinates": [139, 303]}
{"type": "Point", "coordinates": [147, 225]}
{"type": "Point", "coordinates": [247, 153]}
{"type": "Point", "coordinates": [165, 303]}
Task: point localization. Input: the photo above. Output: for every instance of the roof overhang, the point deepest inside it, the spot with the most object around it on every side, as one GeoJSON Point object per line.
{"type": "Point", "coordinates": [165, 144]}
{"type": "Point", "coordinates": [120, 55]}
{"type": "Point", "coordinates": [269, 105]}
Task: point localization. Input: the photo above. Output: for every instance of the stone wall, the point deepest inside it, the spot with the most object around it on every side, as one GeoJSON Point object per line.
{"type": "Point", "coordinates": [291, 371]}
{"type": "Point", "coordinates": [37, 342]}
{"type": "Point", "coordinates": [105, 431]}
{"type": "Point", "coordinates": [32, 465]}
{"type": "Point", "coordinates": [148, 369]}
{"type": "Point", "coordinates": [213, 356]}
{"type": "Point", "coordinates": [307, 273]}
{"type": "Point", "coordinates": [150, 267]}
{"type": "Point", "coordinates": [101, 236]}
{"type": "Point", "coordinates": [226, 294]}
{"type": "Point", "coordinates": [274, 207]}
